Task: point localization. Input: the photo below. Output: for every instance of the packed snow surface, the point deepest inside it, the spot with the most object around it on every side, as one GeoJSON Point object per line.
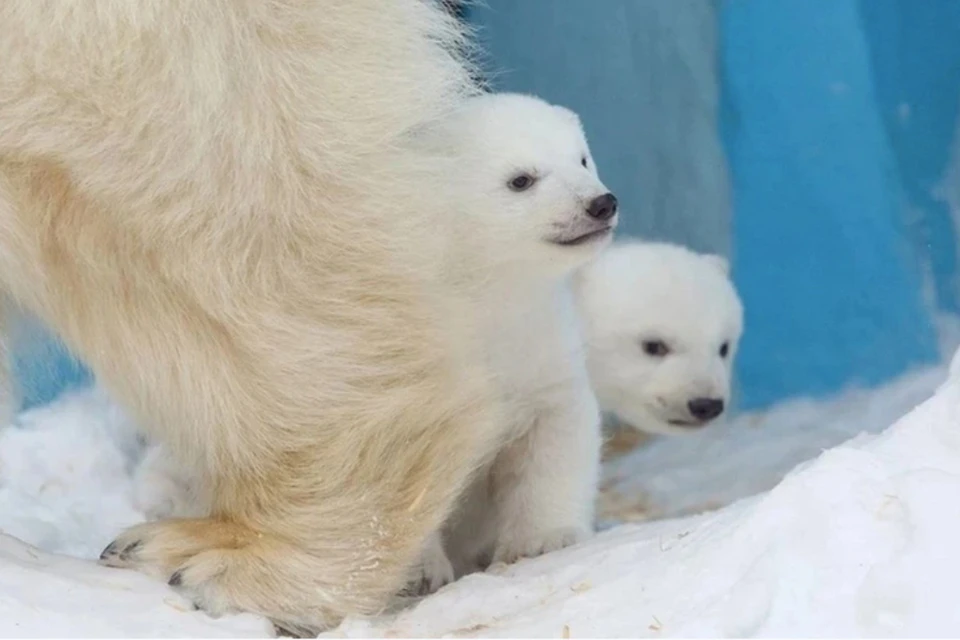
{"type": "Point", "coordinates": [859, 540]}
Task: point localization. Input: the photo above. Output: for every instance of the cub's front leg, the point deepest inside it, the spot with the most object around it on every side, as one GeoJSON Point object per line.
{"type": "Point", "coordinates": [544, 483]}
{"type": "Point", "coordinates": [433, 570]}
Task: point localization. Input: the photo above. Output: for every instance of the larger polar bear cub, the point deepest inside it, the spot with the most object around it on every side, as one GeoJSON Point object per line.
{"type": "Point", "coordinates": [662, 324]}
{"type": "Point", "coordinates": [532, 210]}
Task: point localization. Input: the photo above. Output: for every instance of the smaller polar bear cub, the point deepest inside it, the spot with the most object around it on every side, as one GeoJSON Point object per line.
{"type": "Point", "coordinates": [662, 325]}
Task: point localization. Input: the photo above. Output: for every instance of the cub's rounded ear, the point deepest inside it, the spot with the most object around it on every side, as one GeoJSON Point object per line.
{"type": "Point", "coordinates": [719, 262]}
{"type": "Point", "coordinates": [569, 114]}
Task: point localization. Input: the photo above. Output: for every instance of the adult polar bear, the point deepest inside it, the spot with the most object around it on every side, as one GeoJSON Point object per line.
{"type": "Point", "coordinates": [212, 203]}
{"type": "Point", "coordinates": [527, 209]}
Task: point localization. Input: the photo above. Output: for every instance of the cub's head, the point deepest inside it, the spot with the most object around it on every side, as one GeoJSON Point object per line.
{"type": "Point", "coordinates": [662, 326]}
{"type": "Point", "coordinates": [526, 186]}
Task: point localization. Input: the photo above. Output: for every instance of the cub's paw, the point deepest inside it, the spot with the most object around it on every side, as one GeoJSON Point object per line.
{"type": "Point", "coordinates": [512, 548]}
{"type": "Point", "coordinates": [162, 489]}
{"type": "Point", "coordinates": [433, 572]}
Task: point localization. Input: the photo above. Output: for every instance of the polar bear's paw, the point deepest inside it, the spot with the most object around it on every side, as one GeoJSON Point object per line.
{"type": "Point", "coordinates": [223, 567]}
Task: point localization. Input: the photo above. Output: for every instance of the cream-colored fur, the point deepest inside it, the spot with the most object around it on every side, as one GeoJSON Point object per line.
{"type": "Point", "coordinates": [212, 203]}
{"type": "Point", "coordinates": [536, 489]}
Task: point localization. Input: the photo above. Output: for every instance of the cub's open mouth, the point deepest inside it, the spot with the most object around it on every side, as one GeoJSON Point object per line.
{"type": "Point", "coordinates": [589, 236]}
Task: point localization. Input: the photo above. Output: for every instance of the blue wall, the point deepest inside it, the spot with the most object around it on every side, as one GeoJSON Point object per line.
{"type": "Point", "coordinates": [44, 369]}
{"type": "Point", "coordinates": [642, 73]}
{"type": "Point", "coordinates": [825, 260]}
{"type": "Point", "coordinates": [915, 52]}
{"type": "Point", "coordinates": [835, 235]}
{"type": "Point", "coordinates": [806, 139]}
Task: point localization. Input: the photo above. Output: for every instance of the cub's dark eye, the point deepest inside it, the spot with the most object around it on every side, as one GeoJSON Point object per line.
{"type": "Point", "coordinates": [521, 182]}
{"type": "Point", "coordinates": [583, 161]}
{"type": "Point", "coordinates": [724, 349]}
{"type": "Point", "coordinates": [655, 348]}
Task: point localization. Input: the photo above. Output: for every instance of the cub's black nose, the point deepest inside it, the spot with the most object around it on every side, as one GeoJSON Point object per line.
{"type": "Point", "coordinates": [705, 408]}
{"type": "Point", "coordinates": [603, 207]}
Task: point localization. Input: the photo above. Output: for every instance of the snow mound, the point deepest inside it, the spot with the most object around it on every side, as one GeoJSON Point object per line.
{"type": "Point", "coordinates": [858, 541]}
{"type": "Point", "coordinates": [66, 487]}
{"type": "Point", "coordinates": [65, 475]}
{"type": "Point", "coordinates": [751, 453]}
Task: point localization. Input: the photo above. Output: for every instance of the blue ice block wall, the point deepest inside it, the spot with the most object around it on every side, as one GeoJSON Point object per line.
{"type": "Point", "coordinates": [915, 53]}
{"type": "Point", "coordinates": [43, 367]}
{"type": "Point", "coordinates": [805, 138]}
{"type": "Point", "coordinates": [831, 273]}
{"type": "Point", "coordinates": [833, 126]}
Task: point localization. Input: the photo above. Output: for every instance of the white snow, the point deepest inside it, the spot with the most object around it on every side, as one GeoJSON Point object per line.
{"type": "Point", "coordinates": [65, 475]}
{"type": "Point", "coordinates": [45, 595]}
{"type": "Point", "coordinates": [860, 540]}
{"type": "Point", "coordinates": [66, 488]}
{"type": "Point", "coordinates": [676, 476]}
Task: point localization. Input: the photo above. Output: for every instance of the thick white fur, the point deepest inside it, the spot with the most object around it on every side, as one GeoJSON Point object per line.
{"type": "Point", "coordinates": [165, 488]}
{"type": "Point", "coordinates": [642, 291]}
{"type": "Point", "coordinates": [537, 492]}
{"type": "Point", "coordinates": [214, 204]}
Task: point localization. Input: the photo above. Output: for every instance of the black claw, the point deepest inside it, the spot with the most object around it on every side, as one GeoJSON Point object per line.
{"type": "Point", "coordinates": [293, 631]}
{"type": "Point", "coordinates": [129, 550]}
{"type": "Point", "coordinates": [176, 579]}
{"type": "Point", "coordinates": [424, 588]}
{"type": "Point", "coordinates": [110, 550]}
